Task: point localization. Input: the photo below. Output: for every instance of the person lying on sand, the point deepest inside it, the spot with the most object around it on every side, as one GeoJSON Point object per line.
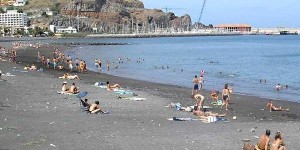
{"type": "Point", "coordinates": [73, 89]}
{"type": "Point", "coordinates": [69, 77]}
{"type": "Point", "coordinates": [112, 87]}
{"type": "Point", "coordinates": [263, 141]}
{"type": "Point", "coordinates": [273, 108]}
{"type": "Point", "coordinates": [95, 108]}
{"type": "Point", "coordinates": [203, 114]}
{"type": "Point", "coordinates": [278, 143]}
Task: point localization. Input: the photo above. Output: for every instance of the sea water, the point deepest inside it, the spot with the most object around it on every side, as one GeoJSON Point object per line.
{"type": "Point", "coordinates": [241, 61]}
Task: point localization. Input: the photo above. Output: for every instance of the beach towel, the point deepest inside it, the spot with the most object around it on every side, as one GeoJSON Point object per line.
{"type": "Point", "coordinates": [125, 92]}
{"type": "Point", "coordinates": [182, 119]}
{"type": "Point", "coordinates": [126, 97]}
{"type": "Point", "coordinates": [217, 103]}
{"type": "Point", "coordinates": [213, 119]}
{"type": "Point", "coordinates": [65, 93]}
{"type": "Point", "coordinates": [8, 75]}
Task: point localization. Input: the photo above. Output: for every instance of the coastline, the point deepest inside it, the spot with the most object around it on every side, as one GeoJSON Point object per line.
{"type": "Point", "coordinates": [131, 125]}
{"type": "Point", "coordinates": [152, 35]}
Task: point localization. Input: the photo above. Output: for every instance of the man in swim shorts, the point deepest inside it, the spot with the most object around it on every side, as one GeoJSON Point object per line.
{"type": "Point", "coordinates": [264, 140]}
{"type": "Point", "coordinates": [196, 86]}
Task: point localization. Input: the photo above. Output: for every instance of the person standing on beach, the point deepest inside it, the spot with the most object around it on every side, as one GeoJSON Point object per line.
{"type": "Point", "coordinates": [84, 67]}
{"type": "Point", "coordinates": [77, 64]}
{"type": "Point", "coordinates": [107, 65]}
{"type": "Point", "coordinates": [81, 66]}
{"type": "Point", "coordinates": [54, 63]}
{"type": "Point", "coordinates": [201, 81]}
{"type": "Point", "coordinates": [70, 65]}
{"type": "Point", "coordinates": [96, 63]}
{"type": "Point", "coordinates": [196, 86]}
{"type": "Point", "coordinates": [225, 96]}
{"type": "Point", "coordinates": [99, 63]}
{"type": "Point", "coordinates": [264, 140]}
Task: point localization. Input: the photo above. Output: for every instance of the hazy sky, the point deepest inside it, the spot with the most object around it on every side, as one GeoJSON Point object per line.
{"type": "Point", "coordinates": [258, 13]}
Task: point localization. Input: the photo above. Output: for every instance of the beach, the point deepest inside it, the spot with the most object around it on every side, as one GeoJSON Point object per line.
{"type": "Point", "coordinates": [34, 116]}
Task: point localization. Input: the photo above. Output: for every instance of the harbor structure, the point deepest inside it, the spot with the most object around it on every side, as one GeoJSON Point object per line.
{"type": "Point", "coordinates": [243, 28]}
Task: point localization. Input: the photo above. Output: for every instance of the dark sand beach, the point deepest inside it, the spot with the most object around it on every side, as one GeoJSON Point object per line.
{"type": "Point", "coordinates": [34, 116]}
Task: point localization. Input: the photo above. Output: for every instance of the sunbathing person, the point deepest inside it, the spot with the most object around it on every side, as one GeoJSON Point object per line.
{"type": "Point", "coordinates": [64, 87]}
{"type": "Point", "coordinates": [112, 87]}
{"type": "Point", "coordinates": [33, 67]}
{"type": "Point", "coordinates": [273, 108]}
{"type": "Point", "coordinates": [73, 89]}
{"type": "Point", "coordinates": [204, 115]}
{"type": "Point", "coordinates": [278, 143]}
{"type": "Point", "coordinates": [263, 141]}
{"type": "Point", "coordinates": [95, 108]}
{"type": "Point", "coordinates": [215, 95]}
{"type": "Point", "coordinates": [69, 77]}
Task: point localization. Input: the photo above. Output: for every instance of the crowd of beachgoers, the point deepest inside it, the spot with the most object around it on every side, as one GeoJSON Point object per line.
{"type": "Point", "coordinates": [72, 68]}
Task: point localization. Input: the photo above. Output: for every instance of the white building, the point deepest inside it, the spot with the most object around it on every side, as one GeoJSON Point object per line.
{"type": "Point", "coordinates": [20, 2]}
{"type": "Point", "coordinates": [13, 19]}
{"type": "Point", "coordinates": [56, 29]}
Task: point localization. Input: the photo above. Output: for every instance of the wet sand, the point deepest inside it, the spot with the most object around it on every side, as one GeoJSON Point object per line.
{"type": "Point", "coordinates": [33, 116]}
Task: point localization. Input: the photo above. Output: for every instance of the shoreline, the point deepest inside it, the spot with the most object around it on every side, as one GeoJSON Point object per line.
{"type": "Point", "coordinates": [33, 116]}
{"type": "Point", "coordinates": [179, 93]}
{"type": "Point", "coordinates": [157, 35]}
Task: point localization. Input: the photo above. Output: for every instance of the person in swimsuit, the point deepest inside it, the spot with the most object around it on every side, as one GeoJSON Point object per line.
{"type": "Point", "coordinates": [112, 87]}
{"type": "Point", "coordinates": [196, 86]}
{"type": "Point", "coordinates": [273, 108]}
{"type": "Point", "coordinates": [201, 81]}
{"type": "Point", "coordinates": [225, 96]}
{"type": "Point", "coordinates": [278, 143]}
{"type": "Point", "coordinates": [199, 100]}
{"type": "Point", "coordinates": [263, 141]}
{"type": "Point", "coordinates": [95, 108]}
{"type": "Point", "coordinates": [215, 95]}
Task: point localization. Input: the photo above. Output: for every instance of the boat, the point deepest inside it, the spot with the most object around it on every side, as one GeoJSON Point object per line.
{"type": "Point", "coordinates": [288, 33]}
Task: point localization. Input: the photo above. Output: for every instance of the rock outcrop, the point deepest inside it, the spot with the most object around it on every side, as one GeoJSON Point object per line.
{"type": "Point", "coordinates": [117, 16]}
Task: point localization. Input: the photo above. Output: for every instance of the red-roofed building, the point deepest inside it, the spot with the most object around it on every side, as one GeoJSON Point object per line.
{"type": "Point", "coordinates": [234, 27]}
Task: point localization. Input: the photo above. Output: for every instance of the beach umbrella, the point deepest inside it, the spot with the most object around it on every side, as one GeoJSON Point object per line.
{"type": "Point", "coordinates": [81, 94]}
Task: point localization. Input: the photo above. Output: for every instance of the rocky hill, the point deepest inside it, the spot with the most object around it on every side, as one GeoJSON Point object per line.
{"type": "Point", "coordinates": [107, 16]}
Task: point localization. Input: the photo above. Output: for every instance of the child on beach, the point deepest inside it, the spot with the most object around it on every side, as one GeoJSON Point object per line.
{"type": "Point", "coordinates": [215, 95]}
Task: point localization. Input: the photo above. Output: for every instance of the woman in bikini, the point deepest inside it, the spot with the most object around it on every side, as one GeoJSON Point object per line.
{"type": "Point", "coordinates": [225, 96]}
{"type": "Point", "coordinates": [278, 143]}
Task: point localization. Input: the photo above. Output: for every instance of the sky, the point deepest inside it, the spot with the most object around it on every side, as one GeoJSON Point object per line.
{"type": "Point", "coordinates": [257, 13]}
